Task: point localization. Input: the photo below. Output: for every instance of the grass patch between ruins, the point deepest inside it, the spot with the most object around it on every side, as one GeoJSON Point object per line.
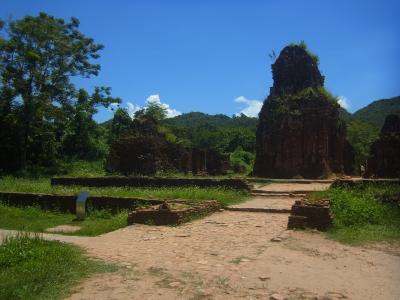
{"type": "Point", "coordinates": [367, 213]}
{"type": "Point", "coordinates": [223, 195]}
{"type": "Point", "coordinates": [37, 220]}
{"type": "Point", "coordinates": [97, 222]}
{"type": "Point", "coordinates": [33, 268]}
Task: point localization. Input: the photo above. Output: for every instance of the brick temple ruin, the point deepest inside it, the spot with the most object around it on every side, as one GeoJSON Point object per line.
{"type": "Point", "coordinates": [300, 133]}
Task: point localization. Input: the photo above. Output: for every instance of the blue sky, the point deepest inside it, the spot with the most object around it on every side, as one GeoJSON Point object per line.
{"type": "Point", "coordinates": [202, 55]}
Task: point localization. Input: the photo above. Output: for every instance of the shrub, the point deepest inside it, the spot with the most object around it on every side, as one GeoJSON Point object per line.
{"type": "Point", "coordinates": [361, 213]}
{"type": "Point", "coordinates": [353, 208]}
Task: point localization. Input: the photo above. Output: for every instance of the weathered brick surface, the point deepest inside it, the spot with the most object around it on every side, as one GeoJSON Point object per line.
{"type": "Point", "coordinates": [305, 215]}
{"type": "Point", "coordinates": [157, 215]}
{"type": "Point", "coordinates": [384, 160]}
{"type": "Point", "coordinates": [299, 222]}
{"type": "Point", "coordinates": [300, 134]}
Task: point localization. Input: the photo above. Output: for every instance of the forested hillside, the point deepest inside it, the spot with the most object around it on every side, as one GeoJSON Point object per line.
{"type": "Point", "coordinates": [376, 112]}
{"type": "Point", "coordinates": [214, 131]}
{"type": "Point", "coordinates": [365, 124]}
{"type": "Point", "coordinates": [227, 134]}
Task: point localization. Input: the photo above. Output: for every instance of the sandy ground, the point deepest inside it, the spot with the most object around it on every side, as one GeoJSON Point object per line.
{"type": "Point", "coordinates": [263, 202]}
{"type": "Point", "coordinates": [290, 187]}
{"type": "Point", "coordinates": [236, 255]}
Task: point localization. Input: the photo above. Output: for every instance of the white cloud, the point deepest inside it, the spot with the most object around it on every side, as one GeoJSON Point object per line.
{"type": "Point", "coordinates": [343, 102]}
{"type": "Point", "coordinates": [252, 108]}
{"type": "Point", "coordinates": [154, 99]}
{"type": "Point", "coordinates": [171, 112]}
{"type": "Point", "coordinates": [132, 108]}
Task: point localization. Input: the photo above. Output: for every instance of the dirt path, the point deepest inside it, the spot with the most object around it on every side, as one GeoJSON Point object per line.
{"type": "Point", "coordinates": [278, 203]}
{"type": "Point", "coordinates": [292, 187]}
{"type": "Point", "coordinates": [236, 255]}
{"type": "Point", "coordinates": [278, 197]}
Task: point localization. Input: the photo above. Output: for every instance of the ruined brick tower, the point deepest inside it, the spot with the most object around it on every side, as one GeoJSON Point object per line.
{"type": "Point", "coordinates": [300, 133]}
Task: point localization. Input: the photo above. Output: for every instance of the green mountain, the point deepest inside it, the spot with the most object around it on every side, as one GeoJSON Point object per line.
{"type": "Point", "coordinates": [198, 119]}
{"type": "Point", "coordinates": [345, 115]}
{"type": "Point", "coordinates": [220, 132]}
{"type": "Point", "coordinates": [376, 112]}
{"type": "Point", "coordinates": [364, 125]}
{"type": "Point", "coordinates": [373, 114]}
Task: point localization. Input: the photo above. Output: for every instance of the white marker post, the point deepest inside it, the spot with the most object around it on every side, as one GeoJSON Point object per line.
{"type": "Point", "coordinates": [81, 205]}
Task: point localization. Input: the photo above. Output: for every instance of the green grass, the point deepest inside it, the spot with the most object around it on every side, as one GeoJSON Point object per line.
{"type": "Point", "coordinates": [359, 217]}
{"type": "Point", "coordinates": [97, 222]}
{"type": "Point", "coordinates": [32, 268]}
{"type": "Point", "coordinates": [37, 220]}
{"type": "Point", "coordinates": [42, 185]}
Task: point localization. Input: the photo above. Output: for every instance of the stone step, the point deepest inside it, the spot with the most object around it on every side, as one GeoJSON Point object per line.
{"type": "Point", "coordinates": [300, 181]}
{"type": "Point", "coordinates": [295, 192]}
{"type": "Point", "coordinates": [277, 195]}
{"type": "Point", "coordinates": [259, 204]}
{"type": "Point", "coordinates": [262, 210]}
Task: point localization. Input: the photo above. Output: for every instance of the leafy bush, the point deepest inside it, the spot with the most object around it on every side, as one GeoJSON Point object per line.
{"type": "Point", "coordinates": [242, 158]}
{"type": "Point", "coordinates": [353, 208]}
{"type": "Point", "coordinates": [78, 168]}
{"type": "Point", "coordinates": [304, 46]}
{"type": "Point", "coordinates": [361, 135]}
{"type": "Point", "coordinates": [361, 215]}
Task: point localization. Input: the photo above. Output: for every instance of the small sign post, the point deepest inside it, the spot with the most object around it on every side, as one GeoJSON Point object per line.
{"type": "Point", "coordinates": [81, 205]}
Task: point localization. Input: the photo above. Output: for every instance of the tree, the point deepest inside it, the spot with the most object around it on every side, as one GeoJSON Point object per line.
{"type": "Point", "coordinates": [83, 139]}
{"type": "Point", "coordinates": [121, 122]}
{"type": "Point", "coordinates": [38, 57]}
{"type": "Point", "coordinates": [154, 110]}
{"type": "Point", "coordinates": [361, 135]}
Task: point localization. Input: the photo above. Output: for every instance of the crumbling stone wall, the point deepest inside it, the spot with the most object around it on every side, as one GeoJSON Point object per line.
{"type": "Point", "coordinates": [305, 215]}
{"type": "Point", "coordinates": [384, 160]}
{"type": "Point", "coordinates": [199, 162]}
{"type": "Point", "coordinates": [172, 213]}
{"type": "Point", "coordinates": [144, 150]}
{"type": "Point", "coordinates": [300, 133]}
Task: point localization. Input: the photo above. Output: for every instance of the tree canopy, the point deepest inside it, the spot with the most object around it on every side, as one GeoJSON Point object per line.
{"type": "Point", "coordinates": [41, 109]}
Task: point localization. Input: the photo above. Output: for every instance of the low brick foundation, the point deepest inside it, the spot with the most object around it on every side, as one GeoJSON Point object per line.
{"type": "Point", "coordinates": [240, 184]}
{"type": "Point", "coordinates": [172, 213]}
{"type": "Point", "coordinates": [305, 215]}
{"type": "Point", "coordinates": [67, 203]}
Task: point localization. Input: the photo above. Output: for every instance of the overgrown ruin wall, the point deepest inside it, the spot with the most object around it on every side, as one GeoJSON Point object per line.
{"type": "Point", "coordinates": [166, 214]}
{"type": "Point", "coordinates": [304, 215]}
{"type": "Point", "coordinates": [384, 160]}
{"type": "Point", "coordinates": [145, 150]}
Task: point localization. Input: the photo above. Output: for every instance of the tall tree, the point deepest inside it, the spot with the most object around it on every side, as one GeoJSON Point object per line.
{"type": "Point", "coordinates": [121, 122]}
{"type": "Point", "coordinates": [38, 57]}
{"type": "Point", "coordinates": [154, 110]}
{"type": "Point", "coordinates": [83, 137]}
